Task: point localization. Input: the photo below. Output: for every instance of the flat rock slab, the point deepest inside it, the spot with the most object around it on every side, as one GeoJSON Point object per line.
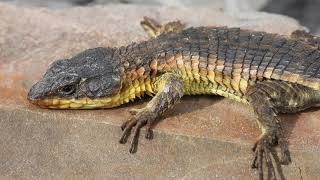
{"type": "Point", "coordinates": [201, 138]}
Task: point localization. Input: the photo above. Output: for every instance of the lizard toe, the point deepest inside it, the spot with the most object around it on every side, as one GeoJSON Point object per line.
{"type": "Point", "coordinates": [126, 128]}
{"type": "Point", "coordinates": [149, 133]}
{"type": "Point", "coordinates": [135, 140]}
{"type": "Point", "coordinates": [139, 120]}
{"type": "Point", "coordinates": [285, 153]}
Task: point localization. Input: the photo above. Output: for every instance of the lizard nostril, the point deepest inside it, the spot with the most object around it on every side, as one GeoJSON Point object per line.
{"type": "Point", "coordinates": [32, 96]}
{"type": "Point", "coordinates": [36, 91]}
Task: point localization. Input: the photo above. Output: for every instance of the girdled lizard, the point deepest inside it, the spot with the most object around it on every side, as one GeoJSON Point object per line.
{"type": "Point", "coordinates": [272, 73]}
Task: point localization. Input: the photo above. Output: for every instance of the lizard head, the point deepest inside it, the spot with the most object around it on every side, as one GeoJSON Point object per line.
{"type": "Point", "coordinates": [90, 79]}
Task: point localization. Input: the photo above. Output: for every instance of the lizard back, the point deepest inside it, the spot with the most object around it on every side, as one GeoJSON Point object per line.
{"type": "Point", "coordinates": [223, 60]}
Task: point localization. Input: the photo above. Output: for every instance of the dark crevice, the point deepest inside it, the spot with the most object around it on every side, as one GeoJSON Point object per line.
{"type": "Point", "coordinates": [83, 2]}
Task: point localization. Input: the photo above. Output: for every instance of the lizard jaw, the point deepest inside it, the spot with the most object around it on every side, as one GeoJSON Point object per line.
{"type": "Point", "coordinates": [81, 103]}
{"type": "Point", "coordinates": [124, 96]}
{"type": "Point", "coordinates": [87, 103]}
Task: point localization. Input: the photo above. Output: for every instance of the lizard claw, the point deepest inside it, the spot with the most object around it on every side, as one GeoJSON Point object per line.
{"type": "Point", "coordinates": [140, 119]}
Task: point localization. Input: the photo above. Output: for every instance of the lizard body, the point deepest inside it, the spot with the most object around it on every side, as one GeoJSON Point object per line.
{"type": "Point", "coordinates": [272, 73]}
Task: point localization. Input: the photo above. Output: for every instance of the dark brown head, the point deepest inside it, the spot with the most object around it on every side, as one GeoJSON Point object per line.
{"type": "Point", "coordinates": [90, 79]}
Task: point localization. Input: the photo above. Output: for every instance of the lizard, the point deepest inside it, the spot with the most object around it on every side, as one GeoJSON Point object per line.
{"type": "Point", "coordinates": [271, 73]}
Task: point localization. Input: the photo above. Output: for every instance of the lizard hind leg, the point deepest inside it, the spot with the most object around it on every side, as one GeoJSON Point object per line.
{"type": "Point", "coordinates": [154, 29]}
{"type": "Point", "coordinates": [268, 99]}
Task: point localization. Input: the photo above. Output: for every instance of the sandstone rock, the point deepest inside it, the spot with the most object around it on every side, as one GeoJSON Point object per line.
{"type": "Point", "coordinates": [202, 137]}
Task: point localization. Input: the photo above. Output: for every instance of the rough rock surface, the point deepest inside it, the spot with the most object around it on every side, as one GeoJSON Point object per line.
{"type": "Point", "coordinates": [202, 137]}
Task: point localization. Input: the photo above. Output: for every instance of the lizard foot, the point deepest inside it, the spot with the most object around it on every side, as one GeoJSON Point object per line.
{"type": "Point", "coordinates": [264, 151]}
{"type": "Point", "coordinates": [140, 118]}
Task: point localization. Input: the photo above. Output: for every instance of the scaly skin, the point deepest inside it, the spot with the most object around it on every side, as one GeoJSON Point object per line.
{"type": "Point", "coordinates": [272, 73]}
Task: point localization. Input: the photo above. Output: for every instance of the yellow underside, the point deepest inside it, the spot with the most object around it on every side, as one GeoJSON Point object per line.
{"type": "Point", "coordinates": [195, 88]}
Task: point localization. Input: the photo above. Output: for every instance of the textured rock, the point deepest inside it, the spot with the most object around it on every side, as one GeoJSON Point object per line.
{"type": "Point", "coordinates": [202, 137]}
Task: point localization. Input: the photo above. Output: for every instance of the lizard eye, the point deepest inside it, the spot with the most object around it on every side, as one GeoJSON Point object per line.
{"type": "Point", "coordinates": [68, 90]}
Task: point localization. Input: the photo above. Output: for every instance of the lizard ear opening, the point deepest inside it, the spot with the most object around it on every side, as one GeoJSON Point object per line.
{"type": "Point", "coordinates": [102, 86]}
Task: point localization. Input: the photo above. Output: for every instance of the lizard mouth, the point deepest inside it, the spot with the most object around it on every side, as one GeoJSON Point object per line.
{"type": "Point", "coordinates": [56, 102]}
{"type": "Point", "coordinates": [81, 103]}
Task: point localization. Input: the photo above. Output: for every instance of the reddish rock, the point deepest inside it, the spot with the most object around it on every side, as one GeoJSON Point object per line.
{"type": "Point", "coordinates": [202, 137]}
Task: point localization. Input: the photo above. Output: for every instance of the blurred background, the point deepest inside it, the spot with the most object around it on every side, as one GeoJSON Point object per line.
{"type": "Point", "coordinates": [305, 11]}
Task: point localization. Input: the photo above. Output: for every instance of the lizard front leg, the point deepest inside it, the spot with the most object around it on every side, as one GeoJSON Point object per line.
{"type": "Point", "coordinates": [169, 89]}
